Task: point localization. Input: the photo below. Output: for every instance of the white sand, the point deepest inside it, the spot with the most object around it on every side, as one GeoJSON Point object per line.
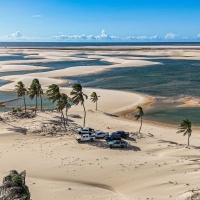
{"type": "Point", "coordinates": [157, 167]}
{"type": "Point", "coordinates": [14, 68]}
{"type": "Point", "coordinates": [61, 163]}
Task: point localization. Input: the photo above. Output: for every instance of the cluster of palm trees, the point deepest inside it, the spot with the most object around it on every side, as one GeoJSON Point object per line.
{"type": "Point", "coordinates": [62, 101]}
{"type": "Point", "coordinates": [185, 126]}
{"type": "Point", "coordinates": [78, 97]}
{"type": "Point", "coordinates": [65, 102]}
{"type": "Point", "coordinates": [53, 93]}
{"type": "Point", "coordinates": [34, 91]}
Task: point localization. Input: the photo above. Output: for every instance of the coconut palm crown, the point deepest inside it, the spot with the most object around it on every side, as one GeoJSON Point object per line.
{"type": "Point", "coordinates": [21, 91]}
{"type": "Point", "coordinates": [186, 129]}
{"type": "Point", "coordinates": [94, 98]}
{"type": "Point", "coordinates": [139, 115]}
{"type": "Point", "coordinates": [53, 93]}
{"type": "Point", "coordinates": [35, 91]}
{"type": "Point", "coordinates": [78, 97]}
{"type": "Point", "coordinates": [61, 104]}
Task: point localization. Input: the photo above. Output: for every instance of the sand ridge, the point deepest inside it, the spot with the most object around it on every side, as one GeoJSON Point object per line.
{"type": "Point", "coordinates": [158, 166]}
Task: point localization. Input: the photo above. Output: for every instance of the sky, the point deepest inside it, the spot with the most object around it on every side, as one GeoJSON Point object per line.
{"type": "Point", "coordinates": [100, 20]}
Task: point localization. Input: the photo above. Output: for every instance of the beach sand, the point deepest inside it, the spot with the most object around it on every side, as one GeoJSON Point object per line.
{"type": "Point", "coordinates": [157, 166]}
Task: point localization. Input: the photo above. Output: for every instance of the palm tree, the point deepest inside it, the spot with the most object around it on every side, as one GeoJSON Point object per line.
{"type": "Point", "coordinates": [94, 98]}
{"type": "Point", "coordinates": [68, 105]}
{"type": "Point", "coordinates": [186, 129]}
{"type": "Point", "coordinates": [62, 103]}
{"type": "Point", "coordinates": [139, 115]}
{"type": "Point", "coordinates": [33, 91]}
{"type": "Point", "coordinates": [40, 92]}
{"type": "Point", "coordinates": [78, 97]}
{"type": "Point", "coordinates": [36, 90]}
{"type": "Point", "coordinates": [53, 93]}
{"type": "Point", "coordinates": [21, 91]}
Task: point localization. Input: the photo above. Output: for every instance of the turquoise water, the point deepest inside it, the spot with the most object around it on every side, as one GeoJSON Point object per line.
{"type": "Point", "coordinates": [66, 64]}
{"type": "Point", "coordinates": [31, 103]}
{"type": "Point", "coordinates": [6, 96]}
{"type": "Point", "coordinates": [173, 79]}
{"type": "Point", "coordinates": [58, 65]}
{"type": "Point", "coordinates": [16, 57]}
{"type": "Point", "coordinates": [171, 115]}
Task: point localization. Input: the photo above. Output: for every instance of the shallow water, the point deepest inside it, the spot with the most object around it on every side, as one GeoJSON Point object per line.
{"type": "Point", "coordinates": [172, 79]}
{"type": "Point", "coordinates": [6, 96]}
{"type": "Point", "coordinates": [31, 103]}
{"type": "Point", "coordinates": [16, 57]}
{"type": "Point", "coordinates": [58, 65]}
{"type": "Point", "coordinates": [174, 115]}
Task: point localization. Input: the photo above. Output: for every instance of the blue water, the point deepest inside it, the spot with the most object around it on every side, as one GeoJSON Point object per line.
{"type": "Point", "coordinates": [172, 79]}
{"type": "Point", "coordinates": [66, 64]}
{"type": "Point", "coordinates": [31, 103]}
{"type": "Point", "coordinates": [166, 113]}
{"type": "Point", "coordinates": [82, 44]}
{"type": "Point", "coordinates": [16, 57]}
{"type": "Point", "coordinates": [58, 65]}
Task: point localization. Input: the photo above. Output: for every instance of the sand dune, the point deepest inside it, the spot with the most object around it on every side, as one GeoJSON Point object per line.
{"type": "Point", "coordinates": [157, 166]}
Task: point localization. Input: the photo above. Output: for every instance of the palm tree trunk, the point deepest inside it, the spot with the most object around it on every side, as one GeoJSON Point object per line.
{"type": "Point", "coordinates": [63, 119]}
{"type": "Point", "coordinates": [36, 105]}
{"type": "Point", "coordinates": [188, 140]}
{"type": "Point", "coordinates": [84, 115]}
{"type": "Point", "coordinates": [41, 101]}
{"type": "Point", "coordinates": [66, 116]}
{"type": "Point", "coordinates": [61, 116]}
{"type": "Point", "coordinates": [140, 125]}
{"type": "Point", "coordinates": [24, 103]}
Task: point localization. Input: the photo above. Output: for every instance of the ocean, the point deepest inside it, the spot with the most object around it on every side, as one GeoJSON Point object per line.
{"type": "Point", "coordinates": [83, 44]}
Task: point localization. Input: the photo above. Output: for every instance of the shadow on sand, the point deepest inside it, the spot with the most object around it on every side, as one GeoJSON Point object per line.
{"type": "Point", "coordinates": [18, 130]}
{"type": "Point", "coordinates": [103, 144]}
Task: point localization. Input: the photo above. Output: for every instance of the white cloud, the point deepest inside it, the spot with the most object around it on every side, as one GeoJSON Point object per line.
{"type": "Point", "coordinates": [15, 35]}
{"type": "Point", "coordinates": [155, 37]}
{"type": "Point", "coordinates": [36, 16]}
{"type": "Point", "coordinates": [103, 36]}
{"type": "Point", "coordinates": [198, 36]}
{"type": "Point", "coordinates": [143, 37]}
{"type": "Point", "coordinates": [170, 36]}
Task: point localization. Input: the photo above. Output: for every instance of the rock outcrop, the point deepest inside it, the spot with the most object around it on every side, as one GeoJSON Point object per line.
{"type": "Point", "coordinates": [14, 187]}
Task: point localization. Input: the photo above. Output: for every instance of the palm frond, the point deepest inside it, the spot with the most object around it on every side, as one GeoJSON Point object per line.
{"type": "Point", "coordinates": [140, 113]}
{"type": "Point", "coordinates": [185, 127]}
